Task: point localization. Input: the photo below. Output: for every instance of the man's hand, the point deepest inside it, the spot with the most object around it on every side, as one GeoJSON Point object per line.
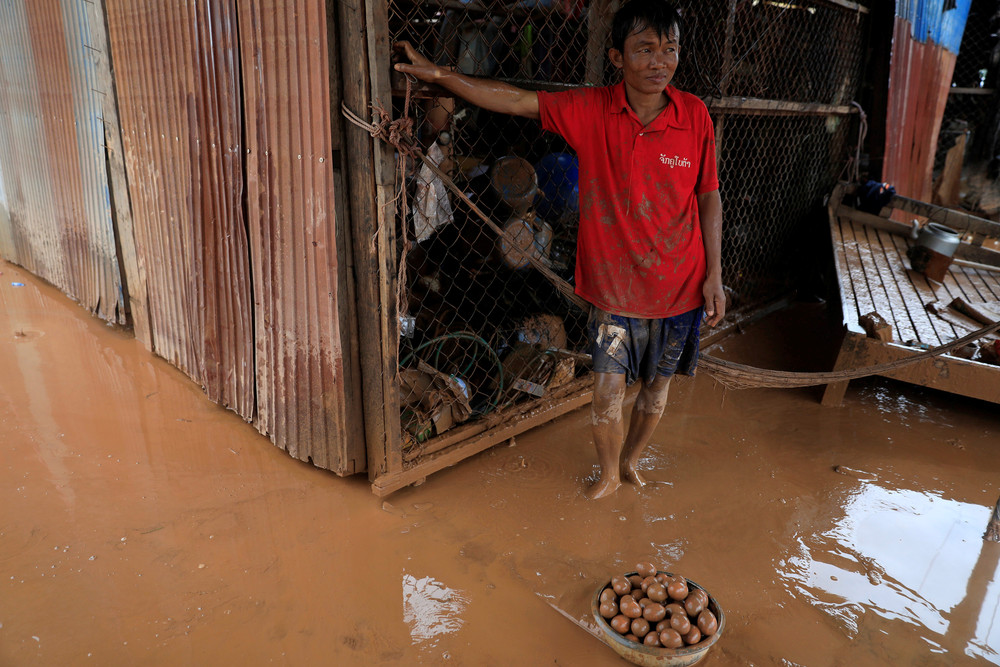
{"type": "Point", "coordinates": [715, 300]}
{"type": "Point", "coordinates": [419, 66]}
{"type": "Point", "coordinates": [486, 93]}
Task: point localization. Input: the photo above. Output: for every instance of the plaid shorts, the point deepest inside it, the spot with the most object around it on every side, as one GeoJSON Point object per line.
{"type": "Point", "coordinates": [644, 348]}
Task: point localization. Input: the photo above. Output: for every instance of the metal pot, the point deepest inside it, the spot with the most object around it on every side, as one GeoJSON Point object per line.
{"type": "Point", "coordinates": [940, 239]}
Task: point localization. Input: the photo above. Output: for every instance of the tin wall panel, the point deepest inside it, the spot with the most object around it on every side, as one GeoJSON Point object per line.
{"type": "Point", "coordinates": [290, 203]}
{"type": "Point", "coordinates": [177, 74]}
{"type": "Point", "coordinates": [926, 38]}
{"type": "Point", "coordinates": [57, 218]}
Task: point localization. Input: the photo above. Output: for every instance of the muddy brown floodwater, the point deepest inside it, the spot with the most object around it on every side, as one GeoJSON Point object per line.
{"type": "Point", "coordinates": [142, 525]}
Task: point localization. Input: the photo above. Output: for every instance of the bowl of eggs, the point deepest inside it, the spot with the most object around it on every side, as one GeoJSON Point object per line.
{"type": "Point", "coordinates": [651, 617]}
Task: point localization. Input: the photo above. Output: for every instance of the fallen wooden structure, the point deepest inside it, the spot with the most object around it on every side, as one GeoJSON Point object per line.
{"type": "Point", "coordinates": [893, 312]}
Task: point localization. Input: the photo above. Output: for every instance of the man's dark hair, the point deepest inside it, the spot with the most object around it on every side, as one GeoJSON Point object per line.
{"type": "Point", "coordinates": [638, 15]}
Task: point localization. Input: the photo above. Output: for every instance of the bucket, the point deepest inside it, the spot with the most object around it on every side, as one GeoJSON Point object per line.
{"type": "Point", "coordinates": [940, 239]}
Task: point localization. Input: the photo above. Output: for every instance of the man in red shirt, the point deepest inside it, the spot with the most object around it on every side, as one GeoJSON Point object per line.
{"type": "Point", "coordinates": [649, 240]}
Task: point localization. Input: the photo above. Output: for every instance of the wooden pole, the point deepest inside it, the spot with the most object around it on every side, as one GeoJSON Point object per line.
{"type": "Point", "coordinates": [598, 28]}
{"type": "Point", "coordinates": [368, 239]}
{"type": "Point", "coordinates": [993, 527]}
{"type": "Point", "coordinates": [347, 300]}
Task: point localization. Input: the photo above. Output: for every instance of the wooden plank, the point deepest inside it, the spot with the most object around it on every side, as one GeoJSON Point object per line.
{"type": "Point", "coordinates": [379, 56]}
{"type": "Point", "coordinates": [488, 422]}
{"type": "Point", "coordinates": [947, 373]}
{"type": "Point", "coordinates": [886, 263]}
{"type": "Point", "coordinates": [833, 394]}
{"type": "Point", "coordinates": [847, 301]}
{"type": "Point", "coordinates": [856, 270]}
{"type": "Point", "coordinates": [388, 483]}
{"type": "Point", "coordinates": [757, 105]}
{"type": "Point", "coordinates": [359, 152]}
{"type": "Point", "coordinates": [921, 292]}
{"type": "Point", "coordinates": [959, 220]}
{"type": "Point", "coordinates": [847, 4]}
{"type": "Point", "coordinates": [971, 91]}
{"type": "Point", "coordinates": [135, 271]}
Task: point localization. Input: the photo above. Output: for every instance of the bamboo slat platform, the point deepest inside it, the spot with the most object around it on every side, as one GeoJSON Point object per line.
{"type": "Point", "coordinates": [874, 275]}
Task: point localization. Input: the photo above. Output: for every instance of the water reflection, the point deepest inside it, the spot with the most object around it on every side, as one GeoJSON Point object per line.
{"type": "Point", "coordinates": [906, 556]}
{"type": "Point", "coordinates": [431, 609]}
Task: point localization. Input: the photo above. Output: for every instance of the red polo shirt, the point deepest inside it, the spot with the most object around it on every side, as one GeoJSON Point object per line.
{"type": "Point", "coordinates": [639, 248]}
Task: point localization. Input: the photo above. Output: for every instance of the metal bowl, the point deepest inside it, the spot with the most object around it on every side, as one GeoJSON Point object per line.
{"type": "Point", "coordinates": [656, 656]}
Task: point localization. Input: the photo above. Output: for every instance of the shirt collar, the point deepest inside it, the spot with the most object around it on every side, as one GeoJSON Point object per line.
{"type": "Point", "coordinates": [673, 116]}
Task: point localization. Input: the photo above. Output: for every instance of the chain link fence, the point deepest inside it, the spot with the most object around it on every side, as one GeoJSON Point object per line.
{"type": "Point", "coordinates": [482, 329]}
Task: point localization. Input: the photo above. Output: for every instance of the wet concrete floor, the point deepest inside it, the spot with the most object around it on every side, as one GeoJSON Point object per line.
{"type": "Point", "coordinates": [142, 525]}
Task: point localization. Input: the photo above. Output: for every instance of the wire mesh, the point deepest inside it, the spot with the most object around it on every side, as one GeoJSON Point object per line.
{"type": "Point", "coordinates": [972, 105]}
{"type": "Point", "coordinates": [481, 330]}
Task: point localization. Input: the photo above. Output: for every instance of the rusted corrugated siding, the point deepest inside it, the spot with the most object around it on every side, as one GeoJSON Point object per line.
{"type": "Point", "coordinates": [57, 221]}
{"type": "Point", "coordinates": [926, 40]}
{"type": "Point", "coordinates": [176, 70]}
{"type": "Point", "coordinates": [290, 188]}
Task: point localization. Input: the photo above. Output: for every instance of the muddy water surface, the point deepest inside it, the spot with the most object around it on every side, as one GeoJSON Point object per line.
{"type": "Point", "coordinates": [140, 524]}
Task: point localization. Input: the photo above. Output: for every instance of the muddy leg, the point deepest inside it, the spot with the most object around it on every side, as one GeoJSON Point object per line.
{"type": "Point", "coordinates": [606, 414]}
{"type": "Point", "coordinates": [646, 413]}
{"type": "Point", "coordinates": [993, 527]}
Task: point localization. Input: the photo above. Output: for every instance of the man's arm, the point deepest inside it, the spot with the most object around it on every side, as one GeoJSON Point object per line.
{"type": "Point", "coordinates": [486, 93]}
{"type": "Point", "coordinates": [710, 214]}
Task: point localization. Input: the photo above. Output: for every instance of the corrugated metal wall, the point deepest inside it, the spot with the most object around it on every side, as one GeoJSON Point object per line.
{"type": "Point", "coordinates": [177, 74]}
{"type": "Point", "coordinates": [926, 40]}
{"type": "Point", "coordinates": [55, 211]}
{"type": "Point", "coordinates": [290, 209]}
{"type": "Point", "coordinates": [225, 115]}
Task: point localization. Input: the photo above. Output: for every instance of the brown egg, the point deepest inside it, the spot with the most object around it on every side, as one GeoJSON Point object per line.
{"type": "Point", "coordinates": [654, 612]}
{"type": "Point", "coordinates": [670, 639]}
{"type": "Point", "coordinates": [609, 609]}
{"type": "Point", "coordinates": [640, 627]}
{"type": "Point", "coordinates": [692, 637]}
{"type": "Point", "coordinates": [663, 578]}
{"type": "Point", "coordinates": [646, 582]}
{"type": "Point", "coordinates": [707, 623]}
{"type": "Point", "coordinates": [608, 595]}
{"type": "Point", "coordinates": [621, 585]}
{"type": "Point", "coordinates": [677, 589]}
{"type": "Point", "coordinates": [651, 639]}
{"type": "Point", "coordinates": [645, 569]}
{"type": "Point", "coordinates": [635, 580]}
{"type": "Point", "coordinates": [645, 601]}
{"type": "Point", "coordinates": [663, 625]}
{"type": "Point", "coordinates": [621, 624]}
{"type": "Point", "coordinates": [693, 604]}
{"type": "Point", "coordinates": [681, 623]}
{"type": "Point", "coordinates": [656, 592]}
{"type": "Point", "coordinates": [632, 638]}
{"type": "Point", "coordinates": [674, 608]}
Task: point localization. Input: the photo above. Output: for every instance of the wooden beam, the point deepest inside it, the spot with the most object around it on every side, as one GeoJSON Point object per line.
{"type": "Point", "coordinates": [847, 4]}
{"type": "Point", "coordinates": [971, 91]}
{"type": "Point", "coordinates": [598, 28]}
{"type": "Point", "coordinates": [776, 107]}
{"type": "Point", "coordinates": [360, 154]}
{"type": "Point", "coordinates": [959, 220]}
{"type": "Point", "coordinates": [386, 484]}
{"type": "Point", "coordinates": [347, 309]}
{"type": "Point", "coordinates": [130, 261]}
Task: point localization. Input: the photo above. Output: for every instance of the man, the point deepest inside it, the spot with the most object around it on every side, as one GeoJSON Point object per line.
{"type": "Point", "coordinates": [649, 241]}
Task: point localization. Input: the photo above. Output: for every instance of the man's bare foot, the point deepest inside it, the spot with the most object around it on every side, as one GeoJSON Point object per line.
{"type": "Point", "coordinates": [630, 473]}
{"type": "Point", "coordinates": [603, 487]}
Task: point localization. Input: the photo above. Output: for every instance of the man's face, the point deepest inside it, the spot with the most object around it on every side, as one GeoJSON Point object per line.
{"type": "Point", "coordinates": [648, 59]}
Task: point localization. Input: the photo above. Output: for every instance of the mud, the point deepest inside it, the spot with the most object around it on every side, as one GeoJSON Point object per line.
{"type": "Point", "coordinates": [141, 524]}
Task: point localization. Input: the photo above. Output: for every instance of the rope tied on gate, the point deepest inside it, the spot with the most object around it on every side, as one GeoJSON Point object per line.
{"type": "Point", "coordinates": [399, 134]}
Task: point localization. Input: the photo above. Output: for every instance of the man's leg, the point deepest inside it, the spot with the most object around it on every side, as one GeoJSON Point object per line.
{"type": "Point", "coordinates": [646, 413]}
{"type": "Point", "coordinates": [606, 414]}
